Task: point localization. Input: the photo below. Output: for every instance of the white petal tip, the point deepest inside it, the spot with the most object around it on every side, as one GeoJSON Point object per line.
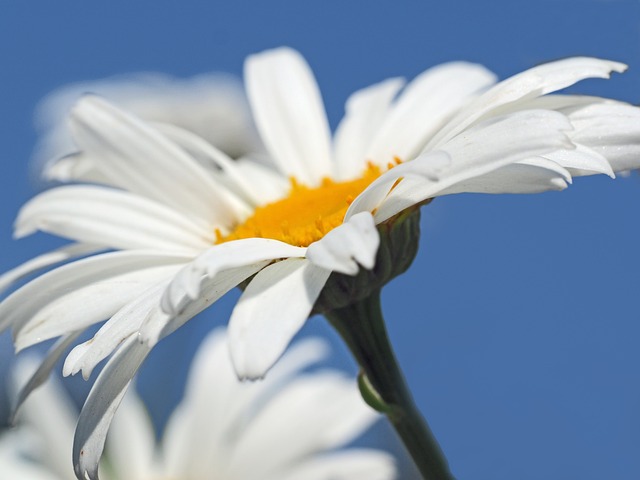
{"type": "Point", "coordinates": [23, 231]}
{"type": "Point", "coordinates": [619, 67]}
{"type": "Point", "coordinates": [68, 369]}
{"type": "Point", "coordinates": [559, 183]}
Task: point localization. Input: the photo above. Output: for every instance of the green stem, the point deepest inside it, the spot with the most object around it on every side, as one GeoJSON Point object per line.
{"type": "Point", "coordinates": [361, 325]}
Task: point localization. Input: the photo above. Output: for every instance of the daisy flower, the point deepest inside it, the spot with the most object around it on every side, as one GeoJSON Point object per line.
{"type": "Point", "coordinates": [324, 226]}
{"type": "Point", "coordinates": [288, 427]}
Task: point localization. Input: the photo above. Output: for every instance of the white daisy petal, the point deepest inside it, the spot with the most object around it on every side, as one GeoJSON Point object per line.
{"type": "Point", "coordinates": [215, 159]}
{"type": "Point", "coordinates": [532, 176]}
{"type": "Point", "coordinates": [41, 374]}
{"type": "Point", "coordinates": [563, 103]}
{"type": "Point", "coordinates": [524, 86]}
{"type": "Point", "coordinates": [289, 113]}
{"type": "Point", "coordinates": [124, 323]}
{"type": "Point", "coordinates": [101, 405]}
{"type": "Point", "coordinates": [365, 112]}
{"type": "Point", "coordinates": [343, 248]}
{"type": "Point", "coordinates": [479, 151]}
{"type": "Point", "coordinates": [425, 105]}
{"type": "Point", "coordinates": [19, 308]}
{"type": "Point", "coordinates": [71, 311]}
{"type": "Point", "coordinates": [125, 146]}
{"type": "Point", "coordinates": [430, 165]}
{"type": "Point", "coordinates": [114, 218]}
{"type": "Point", "coordinates": [76, 167]}
{"type": "Point", "coordinates": [45, 260]}
{"type": "Point", "coordinates": [159, 324]}
{"type": "Point", "coordinates": [272, 309]}
{"type": "Point", "coordinates": [221, 257]}
{"type": "Point", "coordinates": [611, 130]}
{"type": "Point", "coordinates": [582, 161]}
{"type": "Point", "coordinates": [268, 184]}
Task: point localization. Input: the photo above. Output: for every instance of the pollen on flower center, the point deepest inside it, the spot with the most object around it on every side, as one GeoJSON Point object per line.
{"type": "Point", "coordinates": [306, 214]}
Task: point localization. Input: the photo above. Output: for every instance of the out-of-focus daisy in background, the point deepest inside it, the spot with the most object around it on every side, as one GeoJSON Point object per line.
{"type": "Point", "coordinates": [326, 225]}
{"type": "Point", "coordinates": [290, 426]}
{"type": "Point", "coordinates": [212, 106]}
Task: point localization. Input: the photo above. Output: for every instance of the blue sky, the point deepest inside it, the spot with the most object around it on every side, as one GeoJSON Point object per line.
{"type": "Point", "coordinates": [517, 325]}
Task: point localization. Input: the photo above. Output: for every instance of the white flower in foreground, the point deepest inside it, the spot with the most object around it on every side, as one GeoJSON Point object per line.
{"type": "Point", "coordinates": [185, 233]}
{"type": "Point", "coordinates": [286, 427]}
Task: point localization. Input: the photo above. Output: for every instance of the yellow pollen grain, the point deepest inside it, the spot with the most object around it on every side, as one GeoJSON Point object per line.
{"type": "Point", "coordinates": [306, 214]}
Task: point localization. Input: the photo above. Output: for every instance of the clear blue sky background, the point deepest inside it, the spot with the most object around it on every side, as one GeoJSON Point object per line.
{"type": "Point", "coordinates": [518, 324]}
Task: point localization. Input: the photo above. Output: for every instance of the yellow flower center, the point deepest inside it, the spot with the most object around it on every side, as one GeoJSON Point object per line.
{"type": "Point", "coordinates": [306, 214]}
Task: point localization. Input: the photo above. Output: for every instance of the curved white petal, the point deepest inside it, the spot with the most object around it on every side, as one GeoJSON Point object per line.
{"type": "Point", "coordinates": [343, 248]}
{"type": "Point", "coordinates": [425, 105]}
{"type": "Point", "coordinates": [221, 166]}
{"type": "Point", "coordinates": [268, 184]}
{"type": "Point", "coordinates": [289, 113]}
{"type": "Point", "coordinates": [45, 260]}
{"type": "Point", "coordinates": [114, 218]}
{"type": "Point", "coordinates": [41, 374]}
{"type": "Point", "coordinates": [585, 111]}
{"type": "Point", "coordinates": [513, 178]}
{"type": "Point", "coordinates": [611, 130]}
{"type": "Point", "coordinates": [141, 160]}
{"type": "Point", "coordinates": [525, 86]}
{"type": "Point", "coordinates": [77, 166]}
{"type": "Point", "coordinates": [563, 103]}
{"type": "Point", "coordinates": [18, 309]}
{"type": "Point", "coordinates": [431, 166]}
{"type": "Point", "coordinates": [221, 257]}
{"type": "Point", "coordinates": [582, 161]}
{"type": "Point", "coordinates": [478, 151]}
{"type": "Point", "coordinates": [159, 324]}
{"type": "Point", "coordinates": [124, 323]}
{"type": "Point", "coordinates": [365, 112]}
{"type": "Point", "coordinates": [101, 405]}
{"type": "Point", "coordinates": [72, 311]}
{"type": "Point", "coordinates": [272, 309]}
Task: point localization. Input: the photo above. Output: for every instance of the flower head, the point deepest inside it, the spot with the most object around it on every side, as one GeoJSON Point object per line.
{"type": "Point", "coordinates": [188, 224]}
{"type": "Point", "coordinates": [287, 427]}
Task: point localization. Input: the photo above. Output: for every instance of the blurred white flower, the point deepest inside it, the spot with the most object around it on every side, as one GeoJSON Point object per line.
{"type": "Point", "coordinates": [285, 427]}
{"type": "Point", "coordinates": [189, 224]}
{"type": "Point", "coordinates": [212, 106]}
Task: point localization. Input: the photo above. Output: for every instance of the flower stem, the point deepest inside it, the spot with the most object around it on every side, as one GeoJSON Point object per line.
{"type": "Point", "coordinates": [362, 327]}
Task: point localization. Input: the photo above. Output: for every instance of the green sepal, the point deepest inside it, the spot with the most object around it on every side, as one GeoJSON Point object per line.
{"type": "Point", "coordinates": [370, 395]}
{"type": "Point", "coordinates": [399, 239]}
